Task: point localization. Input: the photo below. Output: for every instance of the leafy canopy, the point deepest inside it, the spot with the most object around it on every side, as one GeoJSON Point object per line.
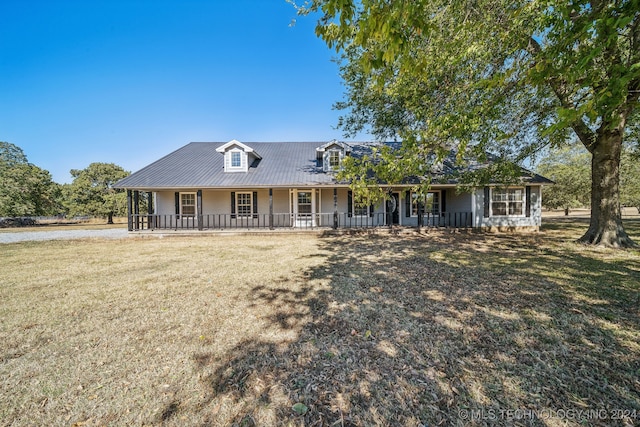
{"type": "Point", "coordinates": [25, 189]}
{"type": "Point", "coordinates": [92, 192]}
{"type": "Point", "coordinates": [507, 77]}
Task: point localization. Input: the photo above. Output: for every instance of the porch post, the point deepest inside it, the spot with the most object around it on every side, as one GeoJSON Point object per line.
{"type": "Point", "coordinates": [136, 208]}
{"type": "Point", "coordinates": [271, 209]}
{"type": "Point", "coordinates": [199, 205]}
{"type": "Point", "coordinates": [129, 211]}
{"type": "Point", "coordinates": [335, 208]}
{"type": "Point", "coordinates": [150, 224]}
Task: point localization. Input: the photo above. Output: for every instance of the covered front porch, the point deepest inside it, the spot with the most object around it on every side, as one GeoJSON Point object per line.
{"type": "Point", "coordinates": [271, 209]}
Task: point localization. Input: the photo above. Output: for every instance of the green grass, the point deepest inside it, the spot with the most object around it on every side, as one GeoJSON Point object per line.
{"type": "Point", "coordinates": [362, 330]}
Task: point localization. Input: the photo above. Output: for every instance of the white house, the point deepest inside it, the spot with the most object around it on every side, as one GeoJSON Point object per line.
{"type": "Point", "coordinates": [208, 185]}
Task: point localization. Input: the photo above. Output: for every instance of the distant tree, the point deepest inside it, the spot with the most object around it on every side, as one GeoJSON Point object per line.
{"type": "Point", "coordinates": [630, 178]}
{"type": "Point", "coordinates": [11, 155]}
{"type": "Point", "coordinates": [25, 189]}
{"type": "Point", "coordinates": [569, 168]}
{"type": "Point", "coordinates": [92, 192]}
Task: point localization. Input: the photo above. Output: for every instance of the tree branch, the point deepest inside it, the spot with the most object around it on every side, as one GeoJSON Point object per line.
{"type": "Point", "coordinates": [559, 87]}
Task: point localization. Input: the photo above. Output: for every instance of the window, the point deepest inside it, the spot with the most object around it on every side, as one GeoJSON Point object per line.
{"type": "Point", "coordinates": [188, 203]}
{"type": "Point", "coordinates": [334, 159]}
{"type": "Point", "coordinates": [508, 201]}
{"type": "Point", "coordinates": [360, 210]}
{"type": "Point", "coordinates": [236, 160]}
{"type": "Point", "coordinates": [304, 202]}
{"type": "Point", "coordinates": [429, 203]}
{"type": "Point", "coordinates": [244, 204]}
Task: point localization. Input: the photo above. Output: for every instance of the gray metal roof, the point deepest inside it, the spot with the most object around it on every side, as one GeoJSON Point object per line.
{"type": "Point", "coordinates": [198, 165]}
{"type": "Point", "coordinates": [283, 164]}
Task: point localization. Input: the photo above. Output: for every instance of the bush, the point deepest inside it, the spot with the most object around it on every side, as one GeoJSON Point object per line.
{"type": "Point", "coordinates": [17, 222]}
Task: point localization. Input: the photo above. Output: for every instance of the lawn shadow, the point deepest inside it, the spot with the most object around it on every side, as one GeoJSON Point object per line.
{"type": "Point", "coordinates": [439, 329]}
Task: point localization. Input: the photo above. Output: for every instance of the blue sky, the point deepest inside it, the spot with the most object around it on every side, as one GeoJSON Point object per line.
{"type": "Point", "coordinates": [127, 82]}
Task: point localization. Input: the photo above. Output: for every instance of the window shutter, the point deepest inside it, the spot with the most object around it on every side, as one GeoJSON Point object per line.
{"type": "Point", "coordinates": [233, 204]}
{"type": "Point", "coordinates": [487, 201]}
{"type": "Point", "coordinates": [255, 204]}
{"type": "Point", "coordinates": [527, 208]}
{"type": "Point", "coordinates": [443, 202]}
{"type": "Point", "coordinates": [349, 203]}
{"type": "Point", "coordinates": [177, 203]}
{"type": "Point", "coordinates": [371, 210]}
{"type": "Point", "coordinates": [325, 161]}
{"type": "Point", "coordinates": [407, 204]}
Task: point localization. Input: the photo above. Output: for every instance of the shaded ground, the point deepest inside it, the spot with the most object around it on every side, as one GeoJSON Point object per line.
{"type": "Point", "coordinates": [433, 329]}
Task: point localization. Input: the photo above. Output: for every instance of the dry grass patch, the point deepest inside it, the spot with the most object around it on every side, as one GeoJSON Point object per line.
{"type": "Point", "coordinates": [297, 330]}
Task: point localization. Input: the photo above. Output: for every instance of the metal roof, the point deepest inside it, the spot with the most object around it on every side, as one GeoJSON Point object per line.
{"type": "Point", "coordinates": [198, 165]}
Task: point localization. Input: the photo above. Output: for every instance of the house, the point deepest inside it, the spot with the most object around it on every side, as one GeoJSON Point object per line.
{"type": "Point", "coordinates": [211, 186]}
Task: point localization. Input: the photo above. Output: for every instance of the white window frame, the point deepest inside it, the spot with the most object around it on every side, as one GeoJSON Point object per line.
{"type": "Point", "coordinates": [334, 158]}
{"type": "Point", "coordinates": [183, 204]}
{"type": "Point", "coordinates": [507, 200]}
{"type": "Point", "coordinates": [235, 154]}
{"type": "Point", "coordinates": [310, 203]}
{"type": "Point", "coordinates": [239, 196]}
{"type": "Point", "coordinates": [414, 203]}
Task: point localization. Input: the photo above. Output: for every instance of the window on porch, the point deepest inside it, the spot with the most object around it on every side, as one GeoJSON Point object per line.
{"type": "Point", "coordinates": [188, 204]}
{"type": "Point", "coordinates": [430, 203]}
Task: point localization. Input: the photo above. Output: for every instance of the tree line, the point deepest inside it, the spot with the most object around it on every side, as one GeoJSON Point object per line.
{"type": "Point", "coordinates": [569, 167]}
{"type": "Point", "coordinates": [28, 190]}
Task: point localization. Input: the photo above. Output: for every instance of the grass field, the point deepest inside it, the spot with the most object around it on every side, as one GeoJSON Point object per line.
{"type": "Point", "coordinates": [430, 329]}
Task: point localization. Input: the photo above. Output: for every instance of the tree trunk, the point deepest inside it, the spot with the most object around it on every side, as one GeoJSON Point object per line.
{"type": "Point", "coordinates": [566, 211]}
{"type": "Point", "coordinates": [605, 227]}
{"type": "Point", "coordinates": [110, 218]}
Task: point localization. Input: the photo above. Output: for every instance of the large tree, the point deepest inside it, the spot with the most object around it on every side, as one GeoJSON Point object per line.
{"type": "Point", "coordinates": [92, 192]}
{"type": "Point", "coordinates": [507, 77]}
{"type": "Point", "coordinates": [25, 189]}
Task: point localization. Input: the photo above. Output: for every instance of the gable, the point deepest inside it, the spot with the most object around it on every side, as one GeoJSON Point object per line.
{"type": "Point", "coordinates": [238, 157]}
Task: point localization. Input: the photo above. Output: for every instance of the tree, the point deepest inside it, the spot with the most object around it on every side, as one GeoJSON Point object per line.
{"type": "Point", "coordinates": [92, 192]}
{"type": "Point", "coordinates": [569, 167]}
{"type": "Point", "coordinates": [26, 189]}
{"type": "Point", "coordinates": [507, 77]}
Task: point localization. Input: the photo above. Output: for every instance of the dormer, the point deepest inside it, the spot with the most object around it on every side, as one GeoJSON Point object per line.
{"type": "Point", "coordinates": [238, 157]}
{"type": "Point", "coordinates": [330, 155]}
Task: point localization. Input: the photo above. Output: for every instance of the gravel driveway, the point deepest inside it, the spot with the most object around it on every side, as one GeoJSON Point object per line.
{"type": "Point", "coordinates": [109, 233]}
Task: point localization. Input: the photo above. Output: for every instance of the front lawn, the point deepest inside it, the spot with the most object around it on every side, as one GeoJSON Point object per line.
{"type": "Point", "coordinates": [433, 329]}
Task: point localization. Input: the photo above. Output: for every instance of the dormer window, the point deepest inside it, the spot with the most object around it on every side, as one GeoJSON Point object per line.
{"type": "Point", "coordinates": [238, 157]}
{"type": "Point", "coordinates": [334, 160]}
{"type": "Point", "coordinates": [330, 155]}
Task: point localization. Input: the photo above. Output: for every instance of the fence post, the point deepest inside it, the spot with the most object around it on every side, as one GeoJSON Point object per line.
{"type": "Point", "coordinates": [129, 211]}
{"type": "Point", "coordinates": [271, 209]}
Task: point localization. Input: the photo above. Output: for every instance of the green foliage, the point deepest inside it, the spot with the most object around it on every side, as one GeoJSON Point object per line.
{"type": "Point", "coordinates": [92, 192]}
{"type": "Point", "coordinates": [569, 167]}
{"type": "Point", "coordinates": [25, 189]}
{"type": "Point", "coordinates": [11, 155]}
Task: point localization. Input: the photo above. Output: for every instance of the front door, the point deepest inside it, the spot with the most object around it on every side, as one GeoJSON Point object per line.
{"type": "Point", "coordinates": [393, 209]}
{"type": "Point", "coordinates": [304, 209]}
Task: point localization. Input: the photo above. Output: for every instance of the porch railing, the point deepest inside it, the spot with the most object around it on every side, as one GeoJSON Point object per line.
{"type": "Point", "coordinates": [288, 220]}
